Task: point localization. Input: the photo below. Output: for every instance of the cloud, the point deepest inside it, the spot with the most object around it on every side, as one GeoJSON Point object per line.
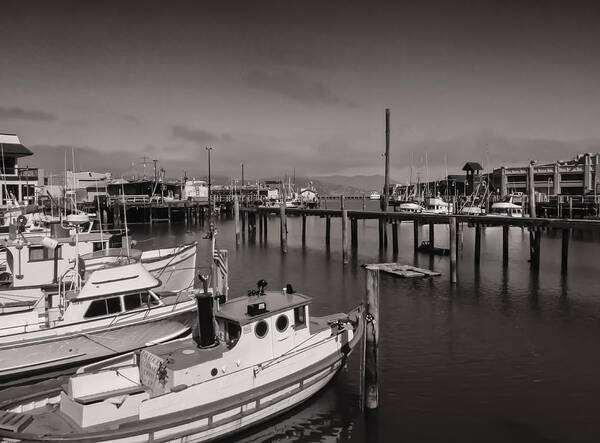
{"type": "Point", "coordinates": [128, 118]}
{"type": "Point", "coordinates": [199, 135]}
{"type": "Point", "coordinates": [17, 113]}
{"type": "Point", "coordinates": [292, 85]}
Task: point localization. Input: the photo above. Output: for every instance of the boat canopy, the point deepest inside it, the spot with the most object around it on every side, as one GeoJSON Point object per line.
{"type": "Point", "coordinates": [117, 280]}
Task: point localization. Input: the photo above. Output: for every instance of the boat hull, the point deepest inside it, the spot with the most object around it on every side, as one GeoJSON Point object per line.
{"type": "Point", "coordinates": [220, 417]}
{"type": "Point", "coordinates": [35, 359]}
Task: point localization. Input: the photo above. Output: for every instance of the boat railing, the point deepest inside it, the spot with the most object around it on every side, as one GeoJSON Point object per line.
{"type": "Point", "coordinates": [113, 256]}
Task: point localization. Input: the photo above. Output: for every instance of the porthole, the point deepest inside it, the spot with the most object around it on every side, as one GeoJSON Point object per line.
{"type": "Point", "coordinates": [214, 372]}
{"type": "Point", "coordinates": [261, 329]}
{"type": "Point", "coordinates": [282, 323]}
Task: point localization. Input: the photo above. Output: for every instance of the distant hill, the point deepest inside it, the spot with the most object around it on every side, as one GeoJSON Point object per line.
{"type": "Point", "coordinates": [362, 183]}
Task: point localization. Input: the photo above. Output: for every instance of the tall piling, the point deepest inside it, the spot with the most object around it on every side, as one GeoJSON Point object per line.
{"type": "Point", "coordinates": [303, 229]}
{"type": "Point", "coordinates": [505, 245]}
{"type": "Point", "coordinates": [531, 190]}
{"type": "Point", "coordinates": [386, 183]}
{"type": "Point", "coordinates": [236, 212]}
{"type": "Point", "coordinates": [395, 237]}
{"type": "Point", "coordinates": [283, 227]}
{"type": "Point", "coordinates": [415, 235]}
{"type": "Point", "coordinates": [345, 255]}
{"type": "Point", "coordinates": [534, 247]}
{"type": "Point", "coordinates": [371, 363]}
{"type": "Point", "coordinates": [327, 230]}
{"type": "Point", "coordinates": [432, 234]}
{"type": "Point", "coordinates": [565, 250]}
{"type": "Point", "coordinates": [354, 234]}
{"type": "Point", "coordinates": [453, 245]}
{"type": "Point", "coordinates": [477, 244]}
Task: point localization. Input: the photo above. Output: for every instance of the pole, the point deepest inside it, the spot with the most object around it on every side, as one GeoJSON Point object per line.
{"type": "Point", "coordinates": [236, 212]}
{"type": "Point", "coordinates": [283, 224]}
{"type": "Point", "coordinates": [386, 183]}
{"type": "Point", "coordinates": [327, 230]}
{"type": "Point", "coordinates": [345, 254]}
{"type": "Point", "coordinates": [371, 366]}
{"type": "Point", "coordinates": [208, 149]}
{"type": "Point", "coordinates": [531, 191]}
{"type": "Point", "coordinates": [453, 244]}
{"type": "Point", "coordinates": [505, 245]}
{"type": "Point", "coordinates": [565, 250]}
{"type": "Point", "coordinates": [477, 244]}
{"type": "Point", "coordinates": [242, 179]}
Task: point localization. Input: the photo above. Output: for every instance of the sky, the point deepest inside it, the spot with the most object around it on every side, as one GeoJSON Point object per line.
{"type": "Point", "coordinates": [281, 85]}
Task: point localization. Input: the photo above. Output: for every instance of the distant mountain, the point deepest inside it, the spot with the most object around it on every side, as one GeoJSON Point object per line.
{"type": "Point", "coordinates": [363, 183]}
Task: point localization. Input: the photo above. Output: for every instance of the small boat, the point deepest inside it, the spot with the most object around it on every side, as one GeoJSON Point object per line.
{"type": "Point", "coordinates": [506, 209]}
{"type": "Point", "coordinates": [107, 311]}
{"type": "Point", "coordinates": [374, 195]}
{"type": "Point", "coordinates": [266, 355]}
{"type": "Point", "coordinates": [426, 247]}
{"type": "Point", "coordinates": [436, 205]}
{"type": "Point", "coordinates": [472, 210]}
{"type": "Point", "coordinates": [409, 207]}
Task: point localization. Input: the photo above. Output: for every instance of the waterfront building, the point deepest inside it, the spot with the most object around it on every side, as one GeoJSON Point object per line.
{"type": "Point", "coordinates": [19, 183]}
{"type": "Point", "coordinates": [577, 176]}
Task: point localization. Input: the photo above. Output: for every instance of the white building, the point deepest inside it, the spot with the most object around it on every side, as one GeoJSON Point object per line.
{"type": "Point", "coordinates": [19, 184]}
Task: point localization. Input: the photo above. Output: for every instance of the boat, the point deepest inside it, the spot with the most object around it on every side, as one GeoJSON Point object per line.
{"type": "Point", "coordinates": [105, 312]}
{"type": "Point", "coordinates": [266, 355]}
{"type": "Point", "coordinates": [426, 247]}
{"type": "Point", "coordinates": [309, 198]}
{"type": "Point", "coordinates": [409, 207]}
{"type": "Point", "coordinates": [506, 209]}
{"type": "Point", "coordinates": [37, 259]}
{"type": "Point", "coordinates": [472, 210]}
{"type": "Point", "coordinates": [437, 205]}
{"type": "Point", "coordinates": [374, 195]}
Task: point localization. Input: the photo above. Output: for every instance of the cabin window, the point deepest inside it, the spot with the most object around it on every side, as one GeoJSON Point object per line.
{"type": "Point", "coordinates": [114, 305]}
{"type": "Point", "coordinates": [132, 301]}
{"type": "Point", "coordinates": [234, 331]}
{"type": "Point", "coordinates": [40, 253]}
{"type": "Point", "coordinates": [299, 317]}
{"type": "Point", "coordinates": [148, 300]}
{"type": "Point", "coordinates": [282, 323]}
{"type": "Point", "coordinates": [103, 307]}
{"type": "Point", "coordinates": [261, 329]}
{"type": "Point", "coordinates": [98, 246]}
{"type": "Point", "coordinates": [96, 309]}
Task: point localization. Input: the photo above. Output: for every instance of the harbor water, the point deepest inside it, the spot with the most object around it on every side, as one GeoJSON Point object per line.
{"type": "Point", "coordinates": [504, 355]}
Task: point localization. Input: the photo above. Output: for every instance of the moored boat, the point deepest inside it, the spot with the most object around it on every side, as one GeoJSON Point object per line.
{"type": "Point", "coordinates": [266, 355]}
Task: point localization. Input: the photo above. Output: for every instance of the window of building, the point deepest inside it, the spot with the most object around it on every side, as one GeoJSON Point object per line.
{"type": "Point", "coordinates": [299, 317]}
{"type": "Point", "coordinates": [40, 253]}
{"type": "Point", "coordinates": [132, 301]}
{"type": "Point", "coordinates": [516, 178]}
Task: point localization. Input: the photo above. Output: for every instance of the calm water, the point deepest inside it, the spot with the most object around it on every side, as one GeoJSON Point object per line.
{"type": "Point", "coordinates": [502, 356]}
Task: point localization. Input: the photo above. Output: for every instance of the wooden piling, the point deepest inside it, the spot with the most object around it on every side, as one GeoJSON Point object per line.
{"type": "Point", "coordinates": [416, 235]}
{"type": "Point", "coordinates": [364, 203]}
{"type": "Point", "coordinates": [477, 244]}
{"type": "Point", "coordinates": [505, 245]}
{"type": "Point", "coordinates": [534, 247]}
{"type": "Point", "coordinates": [431, 234]}
{"type": "Point", "coordinates": [371, 364]}
{"type": "Point", "coordinates": [236, 213]}
{"type": "Point", "coordinates": [345, 255]}
{"type": "Point", "coordinates": [169, 213]}
{"type": "Point", "coordinates": [265, 222]}
{"type": "Point", "coordinates": [570, 207]}
{"type": "Point", "coordinates": [453, 245]}
{"type": "Point", "coordinates": [303, 229]}
{"type": "Point", "coordinates": [565, 250]}
{"type": "Point", "coordinates": [531, 190]}
{"type": "Point", "coordinates": [327, 230]}
{"type": "Point", "coordinates": [283, 227]}
{"type": "Point", "coordinates": [354, 233]}
{"type": "Point", "coordinates": [381, 233]}
{"type": "Point", "coordinates": [395, 237]}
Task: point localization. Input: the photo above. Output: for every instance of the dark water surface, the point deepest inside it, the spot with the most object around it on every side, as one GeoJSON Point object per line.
{"type": "Point", "coordinates": [504, 355]}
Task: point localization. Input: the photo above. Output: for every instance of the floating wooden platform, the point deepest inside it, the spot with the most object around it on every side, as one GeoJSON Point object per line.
{"type": "Point", "coordinates": [403, 271]}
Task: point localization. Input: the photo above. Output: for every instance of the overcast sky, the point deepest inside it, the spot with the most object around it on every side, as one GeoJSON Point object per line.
{"type": "Point", "coordinates": [286, 84]}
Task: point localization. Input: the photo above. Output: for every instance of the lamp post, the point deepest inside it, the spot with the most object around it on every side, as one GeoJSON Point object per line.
{"type": "Point", "coordinates": [208, 149]}
{"type": "Point", "coordinates": [549, 184]}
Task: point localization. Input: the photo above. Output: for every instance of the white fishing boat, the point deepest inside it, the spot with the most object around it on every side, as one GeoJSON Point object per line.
{"type": "Point", "coordinates": [374, 195]}
{"type": "Point", "coordinates": [436, 205]}
{"type": "Point", "coordinates": [409, 207]}
{"type": "Point", "coordinates": [266, 355]}
{"type": "Point", "coordinates": [37, 260]}
{"type": "Point", "coordinates": [472, 210]}
{"type": "Point", "coordinates": [506, 209]}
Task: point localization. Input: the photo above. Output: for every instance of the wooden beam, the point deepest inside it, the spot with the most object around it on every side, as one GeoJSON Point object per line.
{"type": "Point", "coordinates": [395, 237]}
{"type": "Point", "coordinates": [327, 230]}
{"type": "Point", "coordinates": [345, 255]}
{"type": "Point", "coordinates": [416, 235]}
{"type": "Point", "coordinates": [477, 244]}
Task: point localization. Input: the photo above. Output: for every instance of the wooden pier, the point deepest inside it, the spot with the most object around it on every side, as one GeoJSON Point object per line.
{"type": "Point", "coordinates": [535, 226]}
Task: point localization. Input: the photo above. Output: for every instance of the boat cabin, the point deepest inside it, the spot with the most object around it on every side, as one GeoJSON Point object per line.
{"type": "Point", "coordinates": [506, 209]}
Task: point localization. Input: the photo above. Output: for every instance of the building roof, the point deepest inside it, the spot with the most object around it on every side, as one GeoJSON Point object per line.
{"type": "Point", "coordinates": [11, 145]}
{"type": "Point", "coordinates": [472, 166]}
